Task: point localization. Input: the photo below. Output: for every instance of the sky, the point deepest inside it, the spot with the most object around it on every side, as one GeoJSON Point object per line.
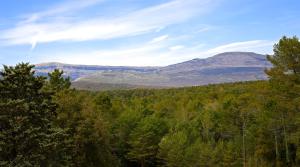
{"type": "Point", "coordinates": [140, 32]}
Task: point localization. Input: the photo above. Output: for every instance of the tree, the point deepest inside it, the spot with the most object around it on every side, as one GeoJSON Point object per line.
{"type": "Point", "coordinates": [172, 148]}
{"type": "Point", "coordinates": [27, 112]}
{"type": "Point", "coordinates": [285, 73]}
{"type": "Point", "coordinates": [144, 140]}
{"type": "Point", "coordinates": [88, 132]}
{"type": "Point", "coordinates": [57, 82]}
{"type": "Point", "coordinates": [285, 81]}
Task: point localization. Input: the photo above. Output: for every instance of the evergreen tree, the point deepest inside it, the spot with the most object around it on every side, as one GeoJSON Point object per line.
{"type": "Point", "coordinates": [144, 140]}
{"type": "Point", "coordinates": [27, 137]}
{"type": "Point", "coordinates": [172, 148]}
{"type": "Point", "coordinates": [285, 73]}
{"type": "Point", "coordinates": [285, 81]}
{"type": "Point", "coordinates": [57, 82]}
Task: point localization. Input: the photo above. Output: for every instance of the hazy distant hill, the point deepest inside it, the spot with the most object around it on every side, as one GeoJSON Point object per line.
{"type": "Point", "coordinates": [224, 67]}
{"type": "Point", "coordinates": [78, 71]}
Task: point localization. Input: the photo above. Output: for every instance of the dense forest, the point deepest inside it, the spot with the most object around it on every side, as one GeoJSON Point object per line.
{"type": "Point", "coordinates": [44, 122]}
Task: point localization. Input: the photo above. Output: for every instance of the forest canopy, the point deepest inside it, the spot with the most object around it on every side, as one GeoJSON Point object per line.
{"type": "Point", "coordinates": [44, 122]}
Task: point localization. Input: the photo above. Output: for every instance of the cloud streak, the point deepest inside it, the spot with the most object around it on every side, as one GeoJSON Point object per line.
{"type": "Point", "coordinates": [242, 46]}
{"type": "Point", "coordinates": [35, 29]}
{"type": "Point", "coordinates": [159, 39]}
{"type": "Point", "coordinates": [155, 54]}
{"type": "Point", "coordinates": [63, 8]}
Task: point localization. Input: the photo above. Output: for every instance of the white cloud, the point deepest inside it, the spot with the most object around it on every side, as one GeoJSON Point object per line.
{"type": "Point", "coordinates": [154, 18]}
{"type": "Point", "coordinates": [159, 39]}
{"type": "Point", "coordinates": [142, 55]}
{"type": "Point", "coordinates": [68, 6]}
{"type": "Point", "coordinates": [242, 46]}
{"type": "Point", "coordinates": [205, 28]}
{"type": "Point", "coordinates": [177, 47]}
{"type": "Point", "coordinates": [154, 54]}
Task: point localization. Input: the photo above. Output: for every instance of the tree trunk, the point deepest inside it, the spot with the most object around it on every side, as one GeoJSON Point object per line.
{"type": "Point", "coordinates": [143, 162]}
{"type": "Point", "coordinates": [285, 141]}
{"type": "Point", "coordinates": [276, 148]}
{"type": "Point", "coordinates": [244, 147]}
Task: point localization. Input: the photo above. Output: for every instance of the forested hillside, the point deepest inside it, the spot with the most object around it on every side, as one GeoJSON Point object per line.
{"type": "Point", "coordinates": [45, 123]}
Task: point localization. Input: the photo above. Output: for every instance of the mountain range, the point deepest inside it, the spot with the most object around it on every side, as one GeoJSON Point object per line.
{"type": "Point", "coordinates": [221, 68]}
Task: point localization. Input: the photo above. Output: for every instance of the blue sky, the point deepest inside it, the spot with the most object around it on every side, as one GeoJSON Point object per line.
{"type": "Point", "coordinates": [140, 32]}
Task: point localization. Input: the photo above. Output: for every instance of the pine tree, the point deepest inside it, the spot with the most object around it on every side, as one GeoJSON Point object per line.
{"type": "Point", "coordinates": [57, 82]}
{"type": "Point", "coordinates": [285, 73]}
{"type": "Point", "coordinates": [27, 136]}
{"type": "Point", "coordinates": [144, 140]}
{"type": "Point", "coordinates": [285, 81]}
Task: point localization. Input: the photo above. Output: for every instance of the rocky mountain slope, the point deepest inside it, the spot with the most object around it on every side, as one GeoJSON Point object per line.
{"type": "Point", "coordinates": [224, 67]}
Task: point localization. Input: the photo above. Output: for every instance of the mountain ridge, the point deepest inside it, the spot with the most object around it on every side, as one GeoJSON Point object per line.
{"type": "Point", "coordinates": [221, 68]}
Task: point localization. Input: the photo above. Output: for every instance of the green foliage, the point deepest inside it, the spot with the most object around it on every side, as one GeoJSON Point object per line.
{"type": "Point", "coordinates": [89, 139]}
{"type": "Point", "coordinates": [285, 84]}
{"type": "Point", "coordinates": [172, 148]}
{"type": "Point", "coordinates": [44, 123]}
{"type": "Point", "coordinates": [57, 82]}
{"type": "Point", "coordinates": [286, 57]}
{"type": "Point", "coordinates": [285, 74]}
{"type": "Point", "coordinates": [144, 139]}
{"type": "Point", "coordinates": [28, 137]}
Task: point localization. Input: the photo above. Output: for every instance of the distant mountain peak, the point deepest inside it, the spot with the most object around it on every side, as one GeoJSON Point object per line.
{"type": "Point", "coordinates": [235, 53]}
{"type": "Point", "coordinates": [49, 63]}
{"type": "Point", "coordinates": [227, 59]}
{"type": "Point", "coordinates": [238, 55]}
{"type": "Point", "coordinates": [223, 67]}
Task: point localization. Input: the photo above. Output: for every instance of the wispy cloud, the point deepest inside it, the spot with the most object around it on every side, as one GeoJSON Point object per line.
{"type": "Point", "coordinates": [199, 51]}
{"type": "Point", "coordinates": [34, 29]}
{"type": "Point", "coordinates": [155, 54]}
{"type": "Point", "coordinates": [159, 39]}
{"type": "Point", "coordinates": [242, 46]}
{"type": "Point", "coordinates": [63, 8]}
{"type": "Point", "coordinates": [139, 55]}
{"type": "Point", "coordinates": [205, 28]}
{"type": "Point", "coordinates": [177, 47]}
